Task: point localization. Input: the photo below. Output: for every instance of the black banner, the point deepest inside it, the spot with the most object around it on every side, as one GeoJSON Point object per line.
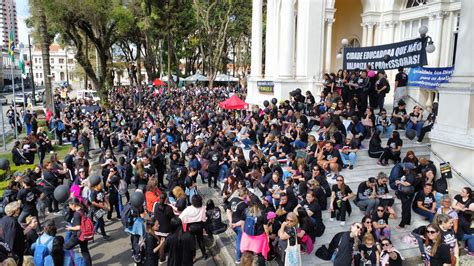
{"type": "Point", "coordinates": [401, 54]}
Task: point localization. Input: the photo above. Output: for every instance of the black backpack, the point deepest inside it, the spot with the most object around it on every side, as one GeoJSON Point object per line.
{"type": "Point", "coordinates": [129, 213]}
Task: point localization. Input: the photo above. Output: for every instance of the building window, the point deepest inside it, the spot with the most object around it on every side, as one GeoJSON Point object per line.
{"type": "Point", "coordinates": [70, 61]}
{"type": "Point", "coordinates": [61, 60]}
{"type": "Point", "coordinates": [36, 60]}
{"type": "Point", "coordinates": [41, 75]}
{"type": "Point", "coordinates": [414, 3]}
{"type": "Point", "coordinates": [410, 28]}
{"type": "Point", "coordinates": [354, 42]}
{"type": "Point", "coordinates": [36, 75]}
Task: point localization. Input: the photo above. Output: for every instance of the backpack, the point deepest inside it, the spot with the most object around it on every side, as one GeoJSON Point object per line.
{"type": "Point", "coordinates": [250, 224]}
{"type": "Point", "coordinates": [41, 251]}
{"type": "Point", "coordinates": [128, 214]}
{"type": "Point", "coordinates": [87, 228]}
{"type": "Point", "coordinates": [60, 126]}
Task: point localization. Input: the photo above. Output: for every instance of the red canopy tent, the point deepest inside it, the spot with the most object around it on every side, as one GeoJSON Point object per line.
{"type": "Point", "coordinates": [233, 103]}
{"type": "Point", "coordinates": [158, 82]}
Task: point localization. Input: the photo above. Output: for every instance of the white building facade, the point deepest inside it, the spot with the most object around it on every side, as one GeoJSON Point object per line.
{"type": "Point", "coordinates": [59, 59]}
{"type": "Point", "coordinates": [303, 37]}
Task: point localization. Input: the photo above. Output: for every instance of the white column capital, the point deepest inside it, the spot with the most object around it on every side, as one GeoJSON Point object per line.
{"type": "Point", "coordinates": [437, 15]}
{"type": "Point", "coordinates": [370, 24]}
{"type": "Point", "coordinates": [330, 21]}
{"type": "Point", "coordinates": [390, 24]}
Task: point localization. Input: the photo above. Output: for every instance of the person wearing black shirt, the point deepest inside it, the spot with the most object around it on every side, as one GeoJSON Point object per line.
{"type": "Point", "coordinates": [437, 251]}
{"type": "Point", "coordinates": [251, 242]}
{"type": "Point", "coordinates": [400, 90]}
{"type": "Point", "coordinates": [113, 180]}
{"type": "Point", "coordinates": [381, 88]}
{"type": "Point", "coordinates": [366, 198]}
{"type": "Point", "coordinates": [215, 159]}
{"type": "Point", "coordinates": [399, 115]}
{"type": "Point", "coordinates": [180, 245]}
{"type": "Point", "coordinates": [329, 158]}
{"type": "Point", "coordinates": [380, 223]}
{"type": "Point", "coordinates": [286, 206]}
{"type": "Point", "coordinates": [76, 206]}
{"type": "Point", "coordinates": [236, 214]}
{"type": "Point", "coordinates": [12, 232]}
{"type": "Point", "coordinates": [28, 196]}
{"type": "Point", "coordinates": [340, 196]}
{"type": "Point", "coordinates": [51, 181]}
{"type": "Point", "coordinates": [99, 208]}
{"type": "Point", "coordinates": [312, 207]}
{"type": "Point", "coordinates": [392, 151]}
{"type": "Point", "coordinates": [405, 197]}
{"type": "Point", "coordinates": [425, 203]}
{"type": "Point", "coordinates": [345, 248]}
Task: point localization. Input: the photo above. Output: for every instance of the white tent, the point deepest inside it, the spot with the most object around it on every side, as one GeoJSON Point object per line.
{"type": "Point", "coordinates": [196, 77]}
{"type": "Point", "coordinates": [226, 78]}
{"type": "Point", "coordinates": [165, 78]}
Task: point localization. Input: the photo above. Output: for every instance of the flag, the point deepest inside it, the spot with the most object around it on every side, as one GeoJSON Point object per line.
{"type": "Point", "coordinates": [11, 47]}
{"type": "Point", "coordinates": [21, 65]}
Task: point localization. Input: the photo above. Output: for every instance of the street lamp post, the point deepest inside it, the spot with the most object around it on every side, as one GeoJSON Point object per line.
{"type": "Point", "coordinates": [344, 43]}
{"type": "Point", "coordinates": [32, 80]}
{"type": "Point", "coordinates": [67, 72]}
{"type": "Point", "coordinates": [22, 84]}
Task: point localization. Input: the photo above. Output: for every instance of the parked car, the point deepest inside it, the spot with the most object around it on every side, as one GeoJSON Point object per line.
{"type": "Point", "coordinates": [3, 100]}
{"type": "Point", "coordinates": [7, 88]}
{"type": "Point", "coordinates": [88, 94]}
{"type": "Point", "coordinates": [19, 98]}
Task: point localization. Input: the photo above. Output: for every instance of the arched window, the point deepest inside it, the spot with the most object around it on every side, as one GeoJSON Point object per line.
{"type": "Point", "coordinates": [414, 3]}
{"type": "Point", "coordinates": [354, 42]}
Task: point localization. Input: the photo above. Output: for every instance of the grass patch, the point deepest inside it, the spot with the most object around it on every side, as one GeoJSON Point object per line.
{"type": "Point", "coordinates": [60, 150]}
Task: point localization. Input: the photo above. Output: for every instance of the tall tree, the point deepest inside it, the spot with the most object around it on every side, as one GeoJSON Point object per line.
{"type": "Point", "coordinates": [40, 24]}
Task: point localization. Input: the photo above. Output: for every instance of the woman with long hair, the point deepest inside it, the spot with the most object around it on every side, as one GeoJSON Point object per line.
{"type": "Point", "coordinates": [78, 211]}
{"type": "Point", "coordinates": [254, 236]}
{"type": "Point", "coordinates": [163, 213]}
{"type": "Point", "coordinates": [392, 151]}
{"type": "Point", "coordinates": [463, 203]}
{"type": "Point", "coordinates": [435, 249]}
{"type": "Point", "coordinates": [411, 158]}
{"type": "Point", "coordinates": [152, 194]}
{"type": "Point", "coordinates": [445, 225]}
{"type": "Point", "coordinates": [195, 216]}
{"type": "Point", "coordinates": [340, 196]}
{"type": "Point", "coordinates": [153, 243]}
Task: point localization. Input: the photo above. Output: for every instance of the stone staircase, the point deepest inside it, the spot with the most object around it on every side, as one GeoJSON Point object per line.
{"type": "Point", "coordinates": [365, 167]}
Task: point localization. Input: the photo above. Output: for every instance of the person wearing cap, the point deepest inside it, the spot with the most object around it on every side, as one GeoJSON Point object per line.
{"type": "Point", "coordinates": [13, 234]}
{"type": "Point", "coordinates": [366, 198]}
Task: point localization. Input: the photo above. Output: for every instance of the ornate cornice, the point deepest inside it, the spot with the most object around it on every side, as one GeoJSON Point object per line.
{"type": "Point", "coordinates": [437, 15]}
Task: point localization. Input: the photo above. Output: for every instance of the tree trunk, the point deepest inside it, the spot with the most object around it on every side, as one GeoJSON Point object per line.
{"type": "Point", "coordinates": [139, 64]}
{"type": "Point", "coordinates": [170, 76]}
{"type": "Point", "coordinates": [86, 78]}
{"type": "Point", "coordinates": [45, 43]}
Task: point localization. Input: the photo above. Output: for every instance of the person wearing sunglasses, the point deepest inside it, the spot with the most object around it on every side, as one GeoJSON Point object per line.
{"type": "Point", "coordinates": [390, 256]}
{"type": "Point", "coordinates": [347, 244]}
{"type": "Point", "coordinates": [380, 223]}
{"type": "Point", "coordinates": [435, 251]}
{"type": "Point", "coordinates": [340, 196]}
{"type": "Point", "coordinates": [288, 231]}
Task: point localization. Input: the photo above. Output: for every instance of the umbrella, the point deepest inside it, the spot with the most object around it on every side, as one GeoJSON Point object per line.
{"type": "Point", "coordinates": [165, 78]}
{"type": "Point", "coordinates": [233, 103]}
{"type": "Point", "coordinates": [158, 82]}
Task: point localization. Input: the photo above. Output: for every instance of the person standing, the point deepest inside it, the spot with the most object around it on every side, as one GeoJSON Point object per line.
{"type": "Point", "coordinates": [400, 90]}
{"type": "Point", "coordinates": [381, 88]}
{"type": "Point", "coordinates": [13, 234]}
{"type": "Point", "coordinates": [236, 214]}
{"type": "Point", "coordinates": [405, 190]}
{"type": "Point", "coordinates": [76, 206]}
{"type": "Point", "coordinates": [347, 244]}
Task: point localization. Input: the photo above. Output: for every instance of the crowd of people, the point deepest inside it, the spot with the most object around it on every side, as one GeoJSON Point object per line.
{"type": "Point", "coordinates": [277, 170]}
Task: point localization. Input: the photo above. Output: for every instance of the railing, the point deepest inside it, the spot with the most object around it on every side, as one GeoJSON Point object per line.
{"type": "Point", "coordinates": [417, 102]}
{"type": "Point", "coordinates": [452, 167]}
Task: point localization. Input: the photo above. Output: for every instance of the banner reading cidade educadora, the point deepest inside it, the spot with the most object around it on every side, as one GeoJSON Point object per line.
{"type": "Point", "coordinates": [409, 53]}
{"type": "Point", "coordinates": [429, 77]}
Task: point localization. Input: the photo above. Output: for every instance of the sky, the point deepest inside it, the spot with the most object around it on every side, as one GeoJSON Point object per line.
{"type": "Point", "coordinates": [23, 12]}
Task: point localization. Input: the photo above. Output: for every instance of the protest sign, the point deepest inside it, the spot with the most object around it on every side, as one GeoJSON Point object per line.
{"type": "Point", "coordinates": [429, 77]}
{"type": "Point", "coordinates": [409, 53]}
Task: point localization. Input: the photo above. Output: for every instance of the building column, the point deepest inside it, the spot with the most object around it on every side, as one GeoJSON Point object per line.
{"type": "Point", "coordinates": [271, 44]}
{"type": "Point", "coordinates": [287, 39]}
{"type": "Point", "coordinates": [329, 23]}
{"type": "Point", "coordinates": [256, 57]}
{"type": "Point", "coordinates": [390, 30]}
{"type": "Point", "coordinates": [452, 137]}
{"type": "Point", "coordinates": [435, 31]}
{"type": "Point", "coordinates": [364, 34]}
{"type": "Point", "coordinates": [370, 34]}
